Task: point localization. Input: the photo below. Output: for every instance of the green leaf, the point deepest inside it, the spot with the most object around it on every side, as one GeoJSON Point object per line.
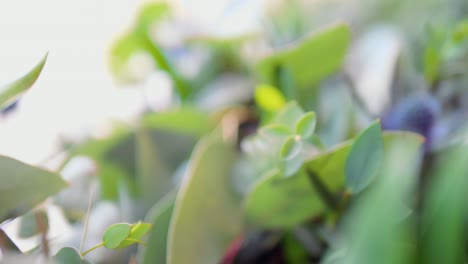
{"type": "Point", "coordinates": [115, 235]}
{"type": "Point", "coordinates": [289, 115]}
{"type": "Point", "coordinates": [160, 217]}
{"type": "Point", "coordinates": [365, 158]}
{"type": "Point", "coordinates": [276, 202]}
{"type": "Point", "coordinates": [10, 92]}
{"type": "Point", "coordinates": [17, 180]}
{"type": "Point", "coordinates": [152, 179]}
{"type": "Point", "coordinates": [432, 64]}
{"type": "Point", "coordinates": [312, 59]}
{"type": "Point", "coordinates": [269, 98]}
{"type": "Point", "coordinates": [28, 223]}
{"type": "Point", "coordinates": [373, 230]}
{"type": "Point", "coordinates": [137, 232]}
{"type": "Point", "coordinates": [290, 148]}
{"type": "Point", "coordinates": [445, 212]}
{"type": "Point", "coordinates": [151, 13]}
{"type": "Point", "coordinates": [68, 255]}
{"type": "Point", "coordinates": [185, 120]}
{"type": "Point", "coordinates": [206, 216]}
{"type": "Point", "coordinates": [275, 131]}
{"type": "Point", "coordinates": [305, 126]}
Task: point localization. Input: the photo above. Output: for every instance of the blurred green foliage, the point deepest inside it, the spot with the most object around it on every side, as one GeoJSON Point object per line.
{"type": "Point", "coordinates": [268, 153]}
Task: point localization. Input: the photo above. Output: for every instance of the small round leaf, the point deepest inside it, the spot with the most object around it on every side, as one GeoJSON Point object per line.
{"type": "Point", "coordinates": [116, 234]}
{"type": "Point", "coordinates": [305, 126]}
{"type": "Point", "coordinates": [67, 255]}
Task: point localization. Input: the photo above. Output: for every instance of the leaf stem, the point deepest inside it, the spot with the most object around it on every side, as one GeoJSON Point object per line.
{"type": "Point", "coordinates": [88, 212]}
{"type": "Point", "coordinates": [327, 197]}
{"type": "Point", "coordinates": [91, 249]}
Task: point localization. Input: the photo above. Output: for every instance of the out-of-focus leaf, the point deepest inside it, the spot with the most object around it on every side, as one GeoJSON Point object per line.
{"type": "Point", "coordinates": [290, 148]}
{"type": "Point", "coordinates": [432, 64]}
{"type": "Point", "coordinates": [10, 92]}
{"type": "Point", "coordinates": [137, 232]}
{"type": "Point", "coordinates": [116, 155]}
{"type": "Point", "coordinates": [276, 202]}
{"type": "Point", "coordinates": [160, 217]}
{"type": "Point", "coordinates": [312, 59]}
{"type": "Point", "coordinates": [269, 98]}
{"type": "Point", "coordinates": [305, 126]}
{"type": "Point", "coordinates": [116, 234]}
{"type": "Point", "coordinates": [206, 216]}
{"type": "Point", "coordinates": [150, 13]}
{"type": "Point", "coordinates": [138, 40]}
{"type": "Point", "coordinates": [461, 31]}
{"type": "Point", "coordinates": [28, 223]}
{"type": "Point", "coordinates": [185, 120]}
{"type": "Point", "coordinates": [132, 43]}
{"type": "Point", "coordinates": [23, 186]}
{"type": "Point", "coordinates": [445, 211]}
{"type": "Point", "coordinates": [153, 180]}
{"type": "Point", "coordinates": [373, 230]}
{"type": "Point", "coordinates": [282, 202]}
{"type": "Point", "coordinates": [68, 255]}
{"type": "Point", "coordinates": [289, 115]}
{"type": "Point", "coordinates": [364, 159]}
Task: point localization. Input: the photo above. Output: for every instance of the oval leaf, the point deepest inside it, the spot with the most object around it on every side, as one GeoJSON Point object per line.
{"type": "Point", "coordinates": [115, 235]}
{"type": "Point", "coordinates": [290, 148]}
{"type": "Point", "coordinates": [10, 92]}
{"type": "Point", "coordinates": [67, 255]}
{"type": "Point", "coordinates": [305, 126]}
{"type": "Point", "coordinates": [364, 159]}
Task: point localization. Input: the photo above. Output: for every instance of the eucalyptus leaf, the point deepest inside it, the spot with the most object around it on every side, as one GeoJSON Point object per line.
{"type": "Point", "coordinates": [137, 232]}
{"type": "Point", "coordinates": [115, 235]}
{"type": "Point", "coordinates": [365, 158]}
{"type": "Point", "coordinates": [10, 92]}
{"type": "Point", "coordinates": [68, 255]}
{"type": "Point", "coordinates": [206, 215]}
{"type": "Point", "coordinates": [17, 180]}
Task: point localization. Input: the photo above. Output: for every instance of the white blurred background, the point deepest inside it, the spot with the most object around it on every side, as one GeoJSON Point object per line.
{"type": "Point", "coordinates": [75, 91]}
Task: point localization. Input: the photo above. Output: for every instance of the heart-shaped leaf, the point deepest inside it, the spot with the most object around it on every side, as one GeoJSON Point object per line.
{"type": "Point", "coordinates": [68, 255]}
{"type": "Point", "coordinates": [115, 235]}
